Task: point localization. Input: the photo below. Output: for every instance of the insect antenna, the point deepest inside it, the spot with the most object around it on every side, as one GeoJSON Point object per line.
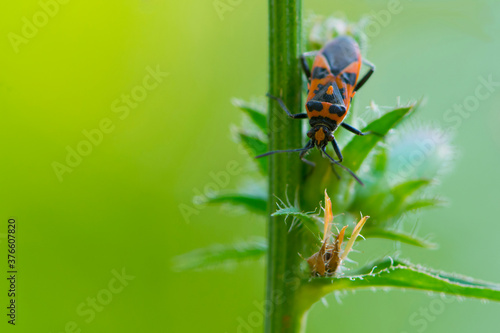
{"type": "Point", "coordinates": [343, 167]}
{"type": "Point", "coordinates": [283, 151]}
{"type": "Point", "coordinates": [307, 147]}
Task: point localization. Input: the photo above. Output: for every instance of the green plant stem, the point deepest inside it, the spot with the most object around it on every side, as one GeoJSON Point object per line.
{"type": "Point", "coordinates": [284, 312]}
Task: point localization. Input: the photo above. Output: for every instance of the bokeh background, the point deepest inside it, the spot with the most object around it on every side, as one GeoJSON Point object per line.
{"type": "Point", "coordinates": [119, 206]}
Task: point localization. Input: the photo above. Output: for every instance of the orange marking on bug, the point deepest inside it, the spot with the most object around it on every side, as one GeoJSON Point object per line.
{"type": "Point", "coordinates": [348, 91]}
{"type": "Point", "coordinates": [320, 61]}
{"type": "Point", "coordinates": [353, 67]}
{"type": "Point", "coordinates": [336, 118]}
{"type": "Point", "coordinates": [319, 135]}
{"type": "Point", "coordinates": [326, 113]}
{"type": "Point", "coordinates": [330, 90]}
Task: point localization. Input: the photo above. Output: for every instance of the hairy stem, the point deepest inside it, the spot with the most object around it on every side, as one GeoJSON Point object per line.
{"type": "Point", "coordinates": [284, 312]}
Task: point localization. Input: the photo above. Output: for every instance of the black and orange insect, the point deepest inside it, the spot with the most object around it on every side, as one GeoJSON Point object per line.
{"type": "Point", "coordinates": [332, 84]}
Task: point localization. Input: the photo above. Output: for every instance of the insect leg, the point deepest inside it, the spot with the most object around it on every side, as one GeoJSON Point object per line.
{"type": "Point", "coordinates": [353, 130]}
{"type": "Point", "coordinates": [342, 166]}
{"type": "Point", "coordinates": [367, 75]}
{"type": "Point", "coordinates": [283, 151]}
{"type": "Point", "coordinates": [305, 65]}
{"type": "Point", "coordinates": [337, 150]}
{"type": "Point", "coordinates": [303, 154]}
{"type": "Point", "coordinates": [335, 172]}
{"type": "Point", "coordinates": [303, 151]}
{"type": "Point", "coordinates": [357, 131]}
{"type": "Point", "coordinates": [283, 106]}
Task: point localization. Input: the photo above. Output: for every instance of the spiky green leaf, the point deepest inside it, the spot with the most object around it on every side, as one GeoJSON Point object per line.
{"type": "Point", "coordinates": [406, 189]}
{"type": "Point", "coordinates": [402, 274]}
{"type": "Point", "coordinates": [398, 236]}
{"type": "Point", "coordinates": [255, 146]}
{"type": "Point", "coordinates": [423, 203]}
{"type": "Point", "coordinates": [360, 146]}
{"type": "Point", "coordinates": [379, 161]}
{"type": "Point", "coordinates": [400, 193]}
{"type": "Point", "coordinates": [309, 220]}
{"type": "Point", "coordinates": [221, 255]}
{"type": "Point", "coordinates": [256, 114]}
{"type": "Point", "coordinates": [257, 204]}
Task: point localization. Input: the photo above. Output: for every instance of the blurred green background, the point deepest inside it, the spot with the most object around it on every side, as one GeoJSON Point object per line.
{"type": "Point", "coordinates": [119, 206]}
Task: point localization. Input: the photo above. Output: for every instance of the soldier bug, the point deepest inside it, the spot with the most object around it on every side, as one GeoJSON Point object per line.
{"type": "Point", "coordinates": [332, 83]}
